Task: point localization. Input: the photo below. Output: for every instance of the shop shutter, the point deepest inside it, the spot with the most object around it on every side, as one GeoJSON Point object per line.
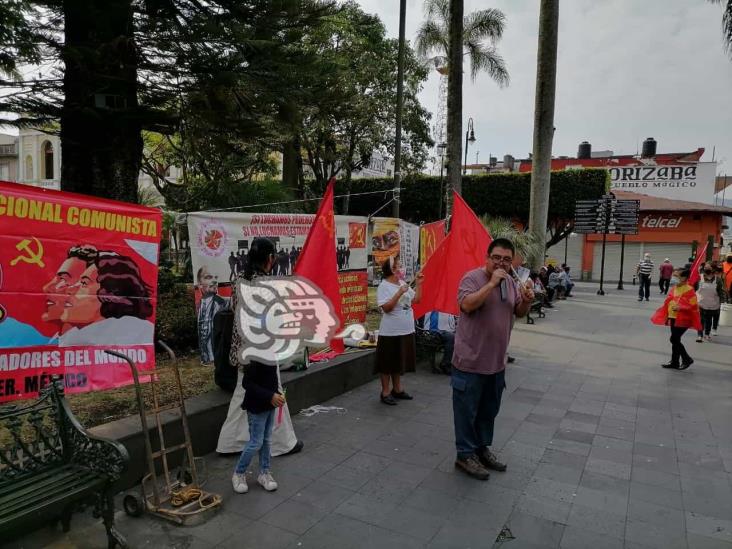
{"type": "Point", "coordinates": [632, 256]}
{"type": "Point", "coordinates": [677, 253]}
{"type": "Point", "coordinates": [574, 253]}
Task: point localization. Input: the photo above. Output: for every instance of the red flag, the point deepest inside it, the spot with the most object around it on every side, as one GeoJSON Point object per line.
{"type": "Point", "coordinates": [317, 261]}
{"type": "Point", "coordinates": [462, 250]}
{"type": "Point", "coordinates": [700, 257]}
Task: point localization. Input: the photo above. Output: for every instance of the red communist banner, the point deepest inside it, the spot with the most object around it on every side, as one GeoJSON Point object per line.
{"type": "Point", "coordinates": [431, 236]}
{"type": "Point", "coordinates": [317, 261]}
{"type": "Point", "coordinates": [78, 275]}
{"type": "Point", "coordinates": [463, 249]}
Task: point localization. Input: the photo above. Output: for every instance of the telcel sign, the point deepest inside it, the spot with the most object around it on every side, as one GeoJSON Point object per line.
{"type": "Point", "coordinates": [661, 222]}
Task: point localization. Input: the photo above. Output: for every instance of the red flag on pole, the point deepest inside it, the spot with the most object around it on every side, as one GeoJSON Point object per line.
{"type": "Point", "coordinates": [700, 257]}
{"type": "Point", "coordinates": [463, 249]}
{"type": "Point", "coordinates": [317, 261]}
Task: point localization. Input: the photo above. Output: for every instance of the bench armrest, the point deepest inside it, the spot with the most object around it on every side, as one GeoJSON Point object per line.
{"type": "Point", "coordinates": [102, 455]}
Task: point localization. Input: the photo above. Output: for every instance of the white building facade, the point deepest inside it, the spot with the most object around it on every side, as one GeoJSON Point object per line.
{"type": "Point", "coordinates": [39, 159]}
{"type": "Point", "coordinates": [8, 157]}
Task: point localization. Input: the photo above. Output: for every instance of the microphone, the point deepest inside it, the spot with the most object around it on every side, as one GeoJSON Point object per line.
{"type": "Point", "coordinates": [504, 289]}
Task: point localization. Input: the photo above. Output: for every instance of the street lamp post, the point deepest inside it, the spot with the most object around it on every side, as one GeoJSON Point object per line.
{"type": "Point", "coordinates": [400, 106]}
{"type": "Point", "coordinates": [441, 147]}
{"type": "Point", "coordinates": [469, 138]}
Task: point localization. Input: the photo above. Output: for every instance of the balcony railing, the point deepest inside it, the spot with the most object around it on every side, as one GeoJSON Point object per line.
{"type": "Point", "coordinates": [8, 150]}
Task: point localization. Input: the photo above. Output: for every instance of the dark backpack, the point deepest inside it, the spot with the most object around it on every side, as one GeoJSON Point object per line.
{"type": "Point", "coordinates": [225, 374]}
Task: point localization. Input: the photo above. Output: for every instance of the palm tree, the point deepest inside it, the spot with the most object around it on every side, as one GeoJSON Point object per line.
{"type": "Point", "coordinates": [481, 32]}
{"type": "Point", "coordinates": [726, 23]}
{"type": "Point", "coordinates": [526, 243]}
{"type": "Point", "coordinates": [447, 35]}
{"type": "Point", "coordinates": [546, 83]}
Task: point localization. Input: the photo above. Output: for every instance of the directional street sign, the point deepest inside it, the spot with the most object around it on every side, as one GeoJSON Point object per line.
{"type": "Point", "coordinates": [606, 216]}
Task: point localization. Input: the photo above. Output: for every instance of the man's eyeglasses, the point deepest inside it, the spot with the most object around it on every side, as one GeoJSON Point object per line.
{"type": "Point", "coordinates": [501, 259]}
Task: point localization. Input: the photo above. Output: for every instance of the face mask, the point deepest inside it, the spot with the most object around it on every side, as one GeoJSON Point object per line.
{"type": "Point", "coordinates": [674, 281]}
{"type": "Point", "coordinates": [400, 274]}
{"type": "Point", "coordinates": [708, 273]}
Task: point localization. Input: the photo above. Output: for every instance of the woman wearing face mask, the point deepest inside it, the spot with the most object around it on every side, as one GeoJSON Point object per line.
{"type": "Point", "coordinates": [710, 295]}
{"type": "Point", "coordinates": [395, 348]}
{"type": "Point", "coordinates": [680, 312]}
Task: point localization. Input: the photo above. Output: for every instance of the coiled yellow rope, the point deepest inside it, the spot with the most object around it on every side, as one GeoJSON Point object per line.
{"type": "Point", "coordinates": [186, 495]}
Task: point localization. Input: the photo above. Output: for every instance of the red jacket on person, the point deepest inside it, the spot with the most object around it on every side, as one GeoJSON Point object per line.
{"type": "Point", "coordinates": [687, 315]}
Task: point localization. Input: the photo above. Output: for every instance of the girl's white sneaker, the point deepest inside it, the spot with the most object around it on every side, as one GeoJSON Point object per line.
{"type": "Point", "coordinates": [239, 482]}
{"type": "Point", "coordinates": [267, 482]}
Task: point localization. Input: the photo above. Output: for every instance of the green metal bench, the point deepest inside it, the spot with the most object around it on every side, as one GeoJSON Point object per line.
{"type": "Point", "coordinates": [51, 467]}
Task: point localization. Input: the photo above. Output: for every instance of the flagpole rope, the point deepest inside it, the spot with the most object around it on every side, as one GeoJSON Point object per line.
{"type": "Point", "coordinates": [300, 201]}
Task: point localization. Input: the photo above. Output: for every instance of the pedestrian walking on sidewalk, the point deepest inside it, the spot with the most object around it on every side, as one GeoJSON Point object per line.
{"type": "Point", "coordinates": [727, 277]}
{"type": "Point", "coordinates": [680, 311]}
{"type": "Point", "coordinates": [710, 296]}
{"type": "Point", "coordinates": [665, 270]}
{"type": "Point", "coordinates": [395, 347]}
{"type": "Point", "coordinates": [488, 298]}
{"type": "Point", "coordinates": [644, 270]}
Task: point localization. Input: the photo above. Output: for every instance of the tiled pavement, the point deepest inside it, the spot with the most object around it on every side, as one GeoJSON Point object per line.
{"type": "Point", "coordinates": [605, 450]}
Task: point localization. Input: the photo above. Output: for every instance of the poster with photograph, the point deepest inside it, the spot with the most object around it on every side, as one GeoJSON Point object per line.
{"type": "Point", "coordinates": [220, 242]}
{"type": "Point", "coordinates": [391, 236]}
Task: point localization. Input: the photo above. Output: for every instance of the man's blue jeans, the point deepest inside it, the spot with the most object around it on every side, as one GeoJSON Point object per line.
{"type": "Point", "coordinates": [476, 399]}
{"type": "Point", "coordinates": [260, 433]}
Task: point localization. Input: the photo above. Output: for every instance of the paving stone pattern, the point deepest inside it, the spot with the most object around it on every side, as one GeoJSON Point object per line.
{"type": "Point", "coordinates": [604, 449]}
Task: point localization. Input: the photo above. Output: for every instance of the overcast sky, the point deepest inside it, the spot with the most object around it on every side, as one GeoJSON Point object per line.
{"type": "Point", "coordinates": [626, 70]}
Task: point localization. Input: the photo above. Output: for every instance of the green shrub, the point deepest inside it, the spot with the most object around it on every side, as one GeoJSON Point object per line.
{"type": "Point", "coordinates": [175, 322]}
{"type": "Point", "coordinates": [495, 195]}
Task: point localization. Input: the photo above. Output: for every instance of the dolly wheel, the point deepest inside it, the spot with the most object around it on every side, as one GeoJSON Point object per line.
{"type": "Point", "coordinates": [132, 504]}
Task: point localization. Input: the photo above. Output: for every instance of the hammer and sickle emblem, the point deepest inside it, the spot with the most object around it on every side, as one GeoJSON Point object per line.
{"type": "Point", "coordinates": [328, 222]}
{"type": "Point", "coordinates": [359, 235]}
{"type": "Point", "coordinates": [30, 256]}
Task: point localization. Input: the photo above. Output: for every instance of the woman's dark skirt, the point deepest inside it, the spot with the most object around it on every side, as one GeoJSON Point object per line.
{"type": "Point", "coordinates": [395, 354]}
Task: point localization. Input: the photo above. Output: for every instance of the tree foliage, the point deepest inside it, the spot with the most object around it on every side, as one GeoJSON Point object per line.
{"type": "Point", "coordinates": [211, 87]}
{"type": "Point", "coordinates": [482, 30]}
{"type": "Point", "coordinates": [350, 103]}
{"type": "Point", "coordinates": [503, 195]}
{"type": "Point", "coordinates": [726, 23]}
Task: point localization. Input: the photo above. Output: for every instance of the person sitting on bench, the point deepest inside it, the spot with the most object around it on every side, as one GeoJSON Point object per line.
{"type": "Point", "coordinates": [443, 325]}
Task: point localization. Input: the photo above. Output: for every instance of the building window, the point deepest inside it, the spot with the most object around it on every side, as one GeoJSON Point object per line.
{"type": "Point", "coordinates": [4, 171]}
{"type": "Point", "coordinates": [47, 152]}
{"type": "Point", "coordinates": [29, 168]}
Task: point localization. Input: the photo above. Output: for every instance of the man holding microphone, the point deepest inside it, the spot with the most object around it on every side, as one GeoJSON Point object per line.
{"type": "Point", "coordinates": [488, 298]}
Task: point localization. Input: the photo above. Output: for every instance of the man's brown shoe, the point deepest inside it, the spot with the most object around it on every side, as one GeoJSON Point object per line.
{"type": "Point", "coordinates": [472, 467]}
{"type": "Point", "coordinates": [489, 460]}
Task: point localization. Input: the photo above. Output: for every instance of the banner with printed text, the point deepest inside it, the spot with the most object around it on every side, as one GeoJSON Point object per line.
{"type": "Point", "coordinates": [220, 242]}
{"type": "Point", "coordinates": [78, 276]}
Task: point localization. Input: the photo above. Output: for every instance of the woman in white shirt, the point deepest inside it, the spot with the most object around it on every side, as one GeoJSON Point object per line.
{"type": "Point", "coordinates": [395, 349]}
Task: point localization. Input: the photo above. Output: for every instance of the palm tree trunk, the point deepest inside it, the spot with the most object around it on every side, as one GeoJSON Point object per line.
{"type": "Point", "coordinates": [455, 98]}
{"type": "Point", "coordinates": [546, 79]}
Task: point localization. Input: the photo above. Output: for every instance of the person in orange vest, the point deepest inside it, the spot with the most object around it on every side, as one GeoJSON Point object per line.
{"type": "Point", "coordinates": [728, 277]}
{"type": "Point", "coordinates": [680, 311]}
